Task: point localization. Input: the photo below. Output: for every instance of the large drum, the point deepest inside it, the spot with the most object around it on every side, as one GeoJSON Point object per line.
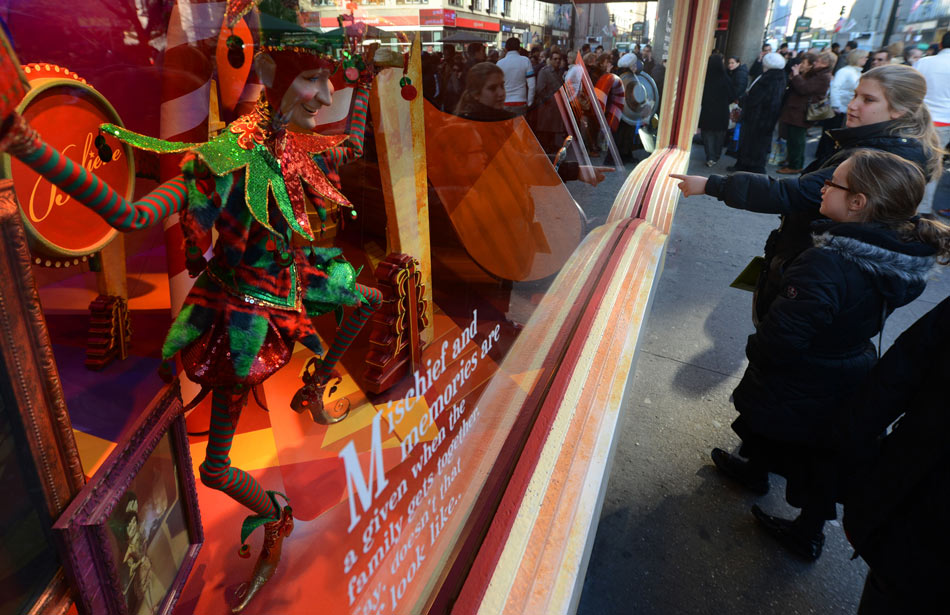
{"type": "Point", "coordinates": [67, 112]}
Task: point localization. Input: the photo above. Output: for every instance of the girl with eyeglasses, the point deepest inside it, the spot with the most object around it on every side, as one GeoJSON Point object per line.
{"type": "Point", "coordinates": [812, 351]}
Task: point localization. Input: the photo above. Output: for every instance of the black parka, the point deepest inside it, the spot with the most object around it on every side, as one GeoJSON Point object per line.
{"type": "Point", "coordinates": [740, 79]}
{"type": "Point", "coordinates": [897, 507]}
{"type": "Point", "coordinates": [760, 111]}
{"type": "Point", "coordinates": [798, 200]}
{"type": "Point", "coordinates": [813, 348]}
{"type": "Point", "coordinates": [718, 93]}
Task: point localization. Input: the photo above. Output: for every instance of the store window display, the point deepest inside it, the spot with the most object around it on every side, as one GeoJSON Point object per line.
{"type": "Point", "coordinates": [269, 275]}
{"type": "Point", "coordinates": [445, 308]}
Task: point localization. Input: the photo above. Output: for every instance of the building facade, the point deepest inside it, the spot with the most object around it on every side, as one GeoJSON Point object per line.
{"type": "Point", "coordinates": [489, 21]}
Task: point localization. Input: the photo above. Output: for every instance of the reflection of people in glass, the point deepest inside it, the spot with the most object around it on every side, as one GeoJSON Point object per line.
{"type": "Point", "coordinates": [269, 275]}
{"type": "Point", "coordinates": [484, 100]}
{"type": "Point", "coordinates": [484, 94]}
{"type": "Point", "coordinates": [545, 118]}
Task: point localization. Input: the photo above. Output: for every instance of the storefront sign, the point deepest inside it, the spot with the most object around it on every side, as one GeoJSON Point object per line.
{"type": "Point", "coordinates": [437, 17]}
{"type": "Point", "coordinates": [309, 19]}
{"type": "Point", "coordinates": [67, 112]}
{"type": "Point", "coordinates": [802, 25]}
{"type": "Point", "coordinates": [378, 21]}
{"type": "Point", "coordinates": [478, 24]}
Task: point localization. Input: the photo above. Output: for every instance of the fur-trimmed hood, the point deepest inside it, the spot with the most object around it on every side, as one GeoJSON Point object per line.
{"type": "Point", "coordinates": [899, 269]}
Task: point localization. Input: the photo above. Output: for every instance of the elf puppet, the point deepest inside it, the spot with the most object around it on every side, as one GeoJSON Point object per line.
{"type": "Point", "coordinates": [267, 278]}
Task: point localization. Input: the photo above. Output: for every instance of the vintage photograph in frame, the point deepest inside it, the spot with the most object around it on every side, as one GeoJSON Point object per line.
{"type": "Point", "coordinates": [132, 535]}
{"type": "Point", "coordinates": [39, 462]}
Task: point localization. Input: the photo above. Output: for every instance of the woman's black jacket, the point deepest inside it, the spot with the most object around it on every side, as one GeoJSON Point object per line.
{"type": "Point", "coordinates": [812, 349]}
{"type": "Point", "coordinates": [897, 507]}
{"type": "Point", "coordinates": [718, 92]}
{"type": "Point", "coordinates": [763, 104]}
{"type": "Point", "coordinates": [740, 79]}
{"type": "Point", "coordinates": [798, 200]}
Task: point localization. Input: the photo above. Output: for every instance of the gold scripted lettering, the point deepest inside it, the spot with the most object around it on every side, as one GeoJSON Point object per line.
{"type": "Point", "coordinates": [90, 162]}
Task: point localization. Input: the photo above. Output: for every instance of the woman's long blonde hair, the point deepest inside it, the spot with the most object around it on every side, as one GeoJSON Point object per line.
{"type": "Point", "coordinates": [904, 88]}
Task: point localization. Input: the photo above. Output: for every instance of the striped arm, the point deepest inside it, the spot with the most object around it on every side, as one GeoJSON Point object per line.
{"type": "Point", "coordinates": [349, 329]}
{"type": "Point", "coordinates": [352, 147]}
{"type": "Point", "coordinates": [95, 194]}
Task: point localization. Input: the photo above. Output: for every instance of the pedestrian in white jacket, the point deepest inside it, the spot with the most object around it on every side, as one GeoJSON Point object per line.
{"type": "Point", "coordinates": [839, 95]}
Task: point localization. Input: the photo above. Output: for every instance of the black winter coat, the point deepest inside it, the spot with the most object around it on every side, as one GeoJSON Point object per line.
{"type": "Point", "coordinates": [763, 103]}
{"type": "Point", "coordinates": [897, 508]}
{"type": "Point", "coordinates": [760, 111]}
{"type": "Point", "coordinates": [740, 79]}
{"type": "Point", "coordinates": [798, 200]}
{"type": "Point", "coordinates": [717, 94]}
{"type": "Point", "coordinates": [813, 348]}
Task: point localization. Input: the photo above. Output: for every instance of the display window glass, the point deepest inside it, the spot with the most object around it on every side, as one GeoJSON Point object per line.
{"type": "Point", "coordinates": [467, 224]}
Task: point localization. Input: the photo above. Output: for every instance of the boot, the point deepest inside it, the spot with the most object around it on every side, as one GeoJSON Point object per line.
{"type": "Point", "coordinates": [740, 471]}
{"type": "Point", "coordinates": [791, 535]}
{"type": "Point", "coordinates": [266, 565]}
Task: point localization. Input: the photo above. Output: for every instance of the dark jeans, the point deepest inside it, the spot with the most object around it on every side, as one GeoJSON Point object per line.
{"type": "Point", "coordinates": [796, 146]}
{"type": "Point", "coordinates": [712, 143]}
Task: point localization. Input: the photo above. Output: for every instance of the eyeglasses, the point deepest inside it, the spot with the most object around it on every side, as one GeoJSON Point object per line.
{"type": "Point", "coordinates": [831, 184]}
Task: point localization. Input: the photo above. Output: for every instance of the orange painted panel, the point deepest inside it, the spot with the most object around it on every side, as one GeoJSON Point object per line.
{"type": "Point", "coordinates": [503, 196]}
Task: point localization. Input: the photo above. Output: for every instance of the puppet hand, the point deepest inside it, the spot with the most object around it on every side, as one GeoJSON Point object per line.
{"type": "Point", "coordinates": [368, 67]}
{"type": "Point", "coordinates": [369, 55]}
{"type": "Point", "coordinates": [17, 137]}
{"type": "Point", "coordinates": [388, 58]}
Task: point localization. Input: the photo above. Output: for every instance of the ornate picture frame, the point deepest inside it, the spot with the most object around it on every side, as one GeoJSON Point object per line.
{"type": "Point", "coordinates": [37, 434]}
{"type": "Point", "coordinates": [131, 536]}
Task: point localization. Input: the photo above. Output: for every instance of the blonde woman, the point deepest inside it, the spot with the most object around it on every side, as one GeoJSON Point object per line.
{"type": "Point", "coordinates": [840, 95]}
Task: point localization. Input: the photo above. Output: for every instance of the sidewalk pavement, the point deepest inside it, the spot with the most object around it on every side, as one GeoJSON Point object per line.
{"type": "Point", "coordinates": [674, 538]}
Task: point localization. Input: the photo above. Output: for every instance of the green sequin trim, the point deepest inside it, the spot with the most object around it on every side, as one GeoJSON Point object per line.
{"type": "Point", "coordinates": [223, 155]}
{"type": "Point", "coordinates": [143, 142]}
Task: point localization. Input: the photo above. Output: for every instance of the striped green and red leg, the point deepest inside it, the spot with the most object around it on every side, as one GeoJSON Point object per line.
{"type": "Point", "coordinates": [348, 331]}
{"type": "Point", "coordinates": [216, 470]}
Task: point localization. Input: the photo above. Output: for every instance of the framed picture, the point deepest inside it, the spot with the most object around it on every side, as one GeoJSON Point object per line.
{"type": "Point", "coordinates": [40, 469]}
{"type": "Point", "coordinates": [132, 534]}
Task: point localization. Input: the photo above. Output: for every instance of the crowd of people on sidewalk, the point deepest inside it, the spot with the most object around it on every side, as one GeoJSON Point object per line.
{"type": "Point", "coordinates": [818, 404]}
{"type": "Point", "coordinates": [767, 120]}
{"type": "Point", "coordinates": [530, 80]}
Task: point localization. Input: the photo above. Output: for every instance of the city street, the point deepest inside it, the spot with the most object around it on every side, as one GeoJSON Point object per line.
{"type": "Point", "coordinates": [674, 537]}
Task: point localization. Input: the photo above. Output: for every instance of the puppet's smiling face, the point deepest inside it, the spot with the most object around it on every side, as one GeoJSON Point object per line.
{"type": "Point", "coordinates": [308, 92]}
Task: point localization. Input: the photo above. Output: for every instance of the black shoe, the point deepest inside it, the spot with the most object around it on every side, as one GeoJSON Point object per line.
{"type": "Point", "coordinates": [739, 471]}
{"type": "Point", "coordinates": [732, 168]}
{"type": "Point", "coordinates": [790, 535]}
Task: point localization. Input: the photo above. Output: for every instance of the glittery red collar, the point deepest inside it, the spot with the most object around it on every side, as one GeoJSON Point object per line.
{"type": "Point", "coordinates": [295, 152]}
